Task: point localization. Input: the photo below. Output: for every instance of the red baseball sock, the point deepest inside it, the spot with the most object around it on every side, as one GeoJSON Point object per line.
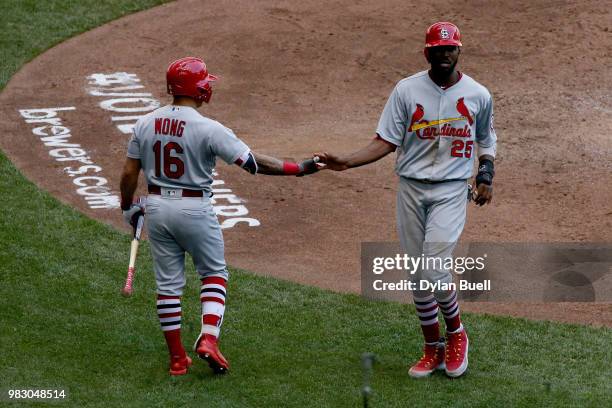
{"type": "Point", "coordinates": [169, 314]}
{"type": "Point", "coordinates": [212, 296]}
{"type": "Point", "coordinates": [450, 310]}
{"type": "Point", "coordinates": [427, 310]}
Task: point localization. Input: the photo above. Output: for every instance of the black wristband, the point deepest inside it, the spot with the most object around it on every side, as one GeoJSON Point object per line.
{"type": "Point", "coordinates": [486, 171]}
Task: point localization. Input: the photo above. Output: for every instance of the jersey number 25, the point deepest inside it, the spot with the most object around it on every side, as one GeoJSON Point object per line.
{"type": "Point", "coordinates": [169, 161]}
{"type": "Point", "coordinates": [462, 149]}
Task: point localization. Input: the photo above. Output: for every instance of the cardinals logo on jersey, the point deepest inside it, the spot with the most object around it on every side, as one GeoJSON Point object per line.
{"type": "Point", "coordinates": [462, 109]}
{"type": "Point", "coordinates": [416, 117]}
{"type": "Point", "coordinates": [425, 129]}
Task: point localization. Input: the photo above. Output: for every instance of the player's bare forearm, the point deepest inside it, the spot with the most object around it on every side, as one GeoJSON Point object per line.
{"type": "Point", "coordinates": [272, 166]}
{"type": "Point", "coordinates": [269, 165]}
{"type": "Point", "coordinates": [375, 150]}
{"type": "Point", "coordinates": [129, 182]}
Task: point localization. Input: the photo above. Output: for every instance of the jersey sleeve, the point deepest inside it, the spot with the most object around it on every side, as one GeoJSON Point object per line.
{"type": "Point", "coordinates": [485, 130]}
{"type": "Point", "coordinates": [225, 144]}
{"type": "Point", "coordinates": [392, 122]}
{"type": "Point", "coordinates": [133, 151]}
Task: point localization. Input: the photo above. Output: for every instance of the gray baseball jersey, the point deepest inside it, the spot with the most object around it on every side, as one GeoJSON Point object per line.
{"type": "Point", "coordinates": [177, 147]}
{"type": "Point", "coordinates": [435, 129]}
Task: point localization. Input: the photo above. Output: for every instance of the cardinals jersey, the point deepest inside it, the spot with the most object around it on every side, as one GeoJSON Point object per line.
{"type": "Point", "coordinates": [435, 129]}
{"type": "Point", "coordinates": [177, 147]}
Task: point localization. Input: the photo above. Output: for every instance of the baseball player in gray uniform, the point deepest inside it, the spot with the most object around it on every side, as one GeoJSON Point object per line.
{"type": "Point", "coordinates": [177, 148]}
{"type": "Point", "coordinates": [435, 119]}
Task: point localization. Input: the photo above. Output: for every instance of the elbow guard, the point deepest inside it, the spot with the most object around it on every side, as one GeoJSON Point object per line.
{"type": "Point", "coordinates": [247, 162]}
{"type": "Point", "coordinates": [486, 172]}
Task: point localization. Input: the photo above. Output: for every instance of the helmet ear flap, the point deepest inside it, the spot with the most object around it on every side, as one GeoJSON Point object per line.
{"type": "Point", "coordinates": [205, 94]}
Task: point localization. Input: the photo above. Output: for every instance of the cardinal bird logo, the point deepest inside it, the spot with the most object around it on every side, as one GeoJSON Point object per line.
{"type": "Point", "coordinates": [416, 116]}
{"type": "Point", "coordinates": [463, 110]}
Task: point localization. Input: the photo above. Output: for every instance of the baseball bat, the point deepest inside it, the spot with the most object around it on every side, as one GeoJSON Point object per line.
{"type": "Point", "coordinates": [127, 288]}
{"type": "Point", "coordinates": [367, 362]}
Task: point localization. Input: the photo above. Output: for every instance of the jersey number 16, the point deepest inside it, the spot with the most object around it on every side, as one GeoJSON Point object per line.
{"type": "Point", "coordinates": [169, 160]}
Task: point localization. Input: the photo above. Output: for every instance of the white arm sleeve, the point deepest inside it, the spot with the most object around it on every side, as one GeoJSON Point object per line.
{"type": "Point", "coordinates": [392, 123]}
{"type": "Point", "coordinates": [225, 144]}
{"type": "Point", "coordinates": [485, 130]}
{"type": "Point", "coordinates": [133, 146]}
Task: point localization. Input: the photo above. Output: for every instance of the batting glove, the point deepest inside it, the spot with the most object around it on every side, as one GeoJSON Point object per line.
{"type": "Point", "coordinates": [309, 166]}
{"type": "Point", "coordinates": [131, 216]}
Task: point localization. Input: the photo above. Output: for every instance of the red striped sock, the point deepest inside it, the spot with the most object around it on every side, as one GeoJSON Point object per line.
{"type": "Point", "coordinates": [169, 314]}
{"type": "Point", "coordinates": [450, 310]}
{"type": "Point", "coordinates": [427, 311]}
{"type": "Point", "coordinates": [212, 296]}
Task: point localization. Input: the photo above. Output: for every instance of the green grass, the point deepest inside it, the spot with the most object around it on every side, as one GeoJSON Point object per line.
{"type": "Point", "coordinates": [29, 27]}
{"type": "Point", "coordinates": [63, 324]}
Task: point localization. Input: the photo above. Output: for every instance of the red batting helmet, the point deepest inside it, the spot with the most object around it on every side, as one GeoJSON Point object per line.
{"type": "Point", "coordinates": [189, 77]}
{"type": "Point", "coordinates": [442, 33]}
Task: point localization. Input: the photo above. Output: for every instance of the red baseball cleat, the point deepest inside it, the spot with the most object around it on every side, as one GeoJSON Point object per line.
{"type": "Point", "coordinates": [208, 349]}
{"type": "Point", "coordinates": [178, 366]}
{"type": "Point", "coordinates": [433, 359]}
{"type": "Point", "coordinates": [456, 357]}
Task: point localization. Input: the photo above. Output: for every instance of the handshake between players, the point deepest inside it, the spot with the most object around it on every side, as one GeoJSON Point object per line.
{"type": "Point", "coordinates": [177, 148]}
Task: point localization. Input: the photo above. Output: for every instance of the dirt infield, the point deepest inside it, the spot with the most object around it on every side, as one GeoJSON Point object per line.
{"type": "Point", "coordinates": [308, 76]}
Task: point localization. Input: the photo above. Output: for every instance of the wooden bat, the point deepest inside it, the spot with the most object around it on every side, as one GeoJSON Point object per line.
{"type": "Point", "coordinates": [127, 289]}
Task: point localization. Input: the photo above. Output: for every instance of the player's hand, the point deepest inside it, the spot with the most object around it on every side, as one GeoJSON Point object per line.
{"type": "Point", "coordinates": [332, 162]}
{"type": "Point", "coordinates": [131, 215]}
{"type": "Point", "coordinates": [310, 166]}
{"type": "Point", "coordinates": [484, 194]}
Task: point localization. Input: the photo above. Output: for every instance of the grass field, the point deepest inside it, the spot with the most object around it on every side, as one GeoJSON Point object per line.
{"type": "Point", "coordinates": [63, 324]}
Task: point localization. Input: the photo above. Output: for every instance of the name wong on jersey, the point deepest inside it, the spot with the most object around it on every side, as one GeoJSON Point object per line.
{"type": "Point", "coordinates": [169, 127]}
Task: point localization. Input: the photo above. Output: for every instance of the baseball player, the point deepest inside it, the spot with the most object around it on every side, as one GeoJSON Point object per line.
{"type": "Point", "coordinates": [435, 120]}
{"type": "Point", "coordinates": [177, 148]}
